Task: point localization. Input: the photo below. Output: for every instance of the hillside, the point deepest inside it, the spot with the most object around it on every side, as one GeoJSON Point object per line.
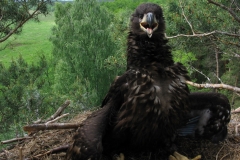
{"type": "Point", "coordinates": [31, 42]}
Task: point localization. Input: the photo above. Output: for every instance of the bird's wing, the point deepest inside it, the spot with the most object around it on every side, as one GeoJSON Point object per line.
{"type": "Point", "coordinates": [118, 87]}
{"type": "Point", "coordinates": [88, 140]}
{"type": "Point", "coordinates": [209, 116]}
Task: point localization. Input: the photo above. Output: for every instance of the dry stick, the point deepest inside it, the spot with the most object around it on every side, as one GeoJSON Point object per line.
{"type": "Point", "coordinates": [237, 110]}
{"type": "Point", "coordinates": [37, 121]}
{"type": "Point", "coordinates": [207, 85]}
{"type": "Point", "coordinates": [56, 114]}
{"type": "Point", "coordinates": [236, 129]}
{"type": "Point", "coordinates": [15, 139]}
{"type": "Point", "coordinates": [37, 127]}
{"type": "Point", "coordinates": [55, 150]}
{"type": "Point", "coordinates": [219, 151]}
{"type": "Point", "coordinates": [224, 156]}
{"type": "Point", "coordinates": [59, 111]}
{"type": "Point", "coordinates": [20, 153]}
{"type": "Point", "coordinates": [54, 120]}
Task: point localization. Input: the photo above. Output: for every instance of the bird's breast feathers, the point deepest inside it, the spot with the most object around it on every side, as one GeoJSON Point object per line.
{"type": "Point", "coordinates": [152, 99]}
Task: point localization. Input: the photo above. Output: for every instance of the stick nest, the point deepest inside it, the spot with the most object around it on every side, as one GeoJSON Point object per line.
{"type": "Point", "coordinates": [44, 141]}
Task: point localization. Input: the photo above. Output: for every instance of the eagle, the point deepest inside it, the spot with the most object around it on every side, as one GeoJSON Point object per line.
{"type": "Point", "coordinates": [150, 104]}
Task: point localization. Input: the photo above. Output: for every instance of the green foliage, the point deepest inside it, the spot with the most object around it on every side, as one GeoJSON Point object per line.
{"type": "Point", "coordinates": [21, 98]}
{"type": "Point", "coordinates": [120, 5]}
{"type": "Point", "coordinates": [33, 40]}
{"type": "Point", "coordinates": [82, 43]}
{"type": "Point", "coordinates": [204, 19]}
{"type": "Point", "coordinates": [215, 54]}
{"type": "Point", "coordinates": [14, 14]}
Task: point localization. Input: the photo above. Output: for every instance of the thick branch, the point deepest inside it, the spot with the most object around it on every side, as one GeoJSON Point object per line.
{"type": "Point", "coordinates": [15, 29]}
{"type": "Point", "coordinates": [227, 9]}
{"type": "Point", "coordinates": [224, 86]}
{"type": "Point", "coordinates": [37, 127]}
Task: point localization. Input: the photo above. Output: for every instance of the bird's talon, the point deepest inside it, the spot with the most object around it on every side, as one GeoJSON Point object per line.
{"type": "Point", "coordinates": [198, 157]}
{"type": "Point", "coordinates": [120, 157]}
{"type": "Point", "coordinates": [177, 156]}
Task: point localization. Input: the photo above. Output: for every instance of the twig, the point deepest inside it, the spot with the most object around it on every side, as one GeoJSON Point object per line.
{"type": "Point", "coordinates": [219, 151]}
{"type": "Point", "coordinates": [53, 151]}
{"type": "Point", "coordinates": [203, 34]}
{"type": "Point", "coordinates": [37, 121]}
{"type": "Point", "coordinates": [54, 120]}
{"type": "Point", "coordinates": [224, 156]}
{"type": "Point", "coordinates": [201, 73]}
{"type": "Point", "coordinates": [59, 111]}
{"type": "Point", "coordinates": [207, 85]}
{"type": "Point", "coordinates": [37, 127]}
{"type": "Point", "coordinates": [237, 110]}
{"type": "Point", "coordinates": [236, 129]}
{"type": "Point", "coordinates": [20, 153]}
{"type": "Point", "coordinates": [190, 25]}
{"type": "Point", "coordinates": [15, 139]}
{"type": "Point", "coordinates": [194, 34]}
{"type": "Point", "coordinates": [56, 114]}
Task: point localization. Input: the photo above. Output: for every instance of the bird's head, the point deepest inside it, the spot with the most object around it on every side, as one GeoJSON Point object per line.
{"type": "Point", "coordinates": [147, 20]}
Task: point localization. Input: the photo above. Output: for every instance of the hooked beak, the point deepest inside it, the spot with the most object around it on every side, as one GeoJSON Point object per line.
{"type": "Point", "coordinates": [149, 24]}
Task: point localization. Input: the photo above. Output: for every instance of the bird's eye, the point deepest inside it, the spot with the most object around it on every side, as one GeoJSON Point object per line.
{"type": "Point", "coordinates": [141, 16]}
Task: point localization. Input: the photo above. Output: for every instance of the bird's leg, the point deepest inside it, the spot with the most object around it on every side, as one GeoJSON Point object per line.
{"type": "Point", "coordinates": [177, 156]}
{"type": "Point", "coordinates": [121, 157]}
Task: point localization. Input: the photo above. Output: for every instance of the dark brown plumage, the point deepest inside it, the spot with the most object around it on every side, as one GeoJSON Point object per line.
{"type": "Point", "coordinates": [147, 106]}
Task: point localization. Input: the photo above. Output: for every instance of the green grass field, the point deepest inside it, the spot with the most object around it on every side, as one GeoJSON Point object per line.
{"type": "Point", "coordinates": [32, 42]}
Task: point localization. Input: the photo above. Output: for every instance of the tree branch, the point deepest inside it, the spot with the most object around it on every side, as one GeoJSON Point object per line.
{"type": "Point", "coordinates": [190, 25]}
{"type": "Point", "coordinates": [201, 73]}
{"type": "Point", "coordinates": [59, 111]}
{"type": "Point", "coordinates": [22, 22]}
{"type": "Point", "coordinates": [15, 140]}
{"type": "Point", "coordinates": [194, 34]}
{"type": "Point", "coordinates": [55, 117]}
{"type": "Point", "coordinates": [59, 117]}
{"type": "Point", "coordinates": [38, 127]}
{"type": "Point", "coordinates": [207, 85]}
{"type": "Point", "coordinates": [203, 34]}
{"type": "Point", "coordinates": [227, 9]}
